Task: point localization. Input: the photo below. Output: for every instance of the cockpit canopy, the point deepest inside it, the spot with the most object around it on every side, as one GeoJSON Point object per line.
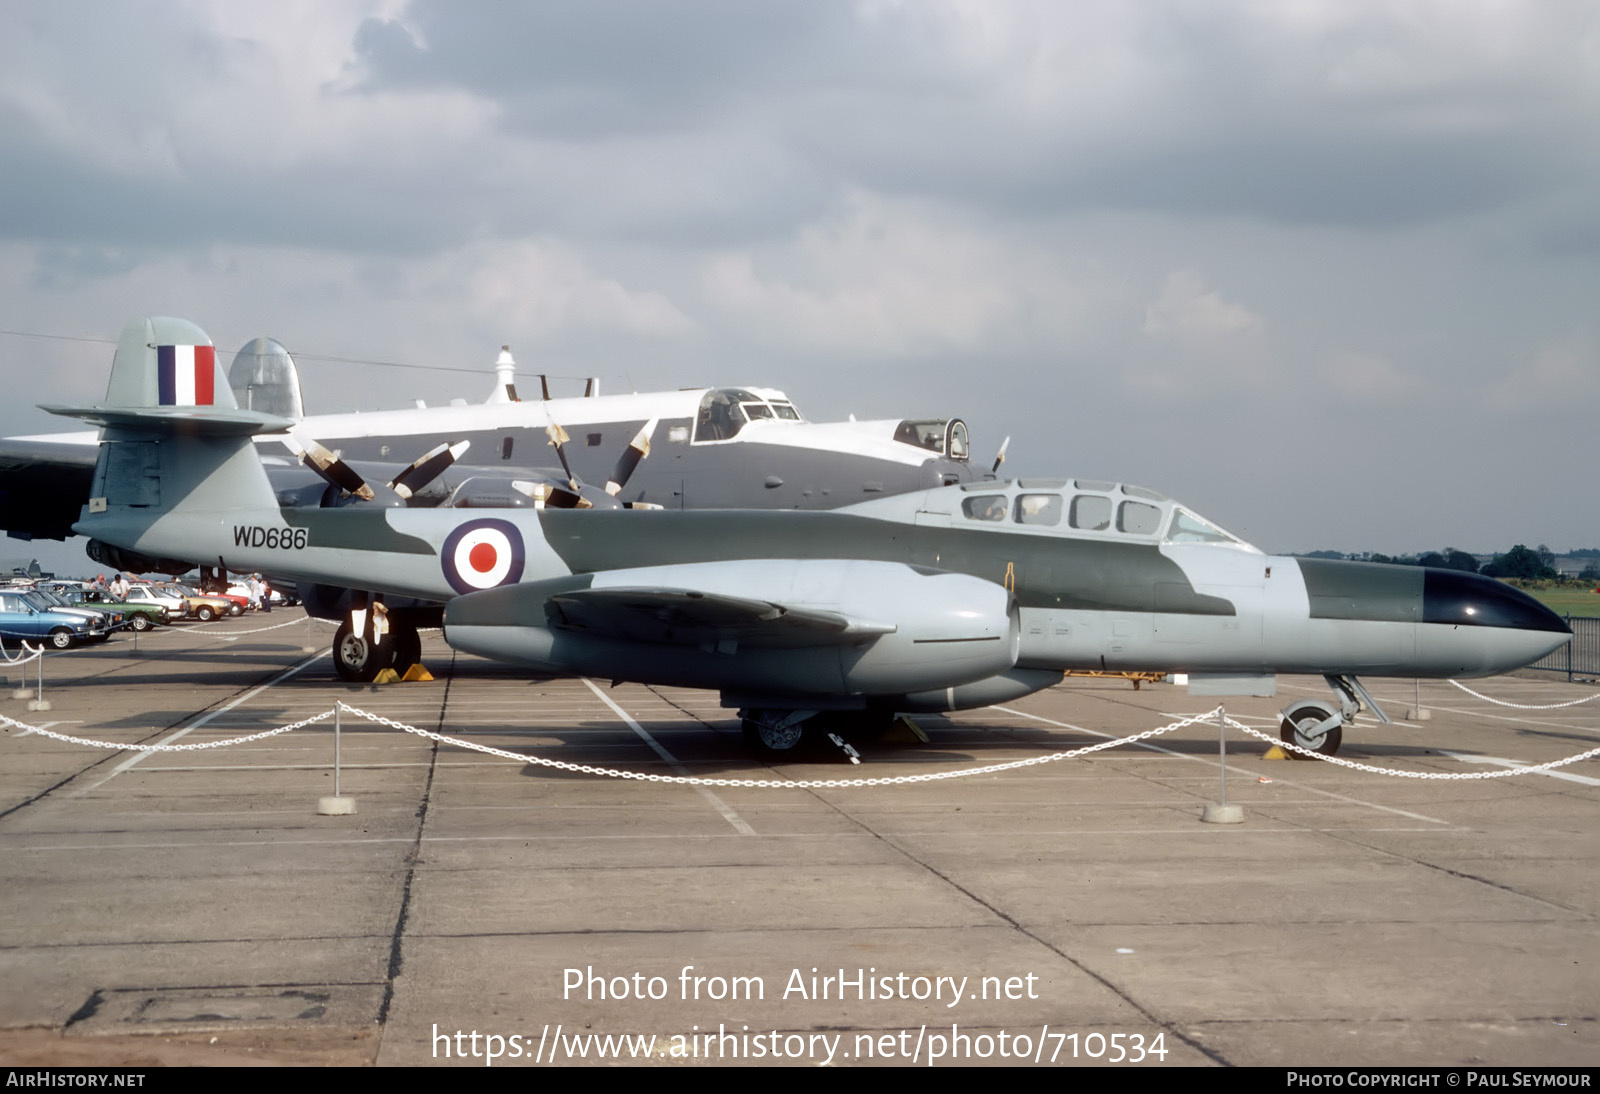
{"type": "Point", "coordinates": [1086, 505]}
{"type": "Point", "coordinates": [726, 410]}
{"type": "Point", "coordinates": [941, 436]}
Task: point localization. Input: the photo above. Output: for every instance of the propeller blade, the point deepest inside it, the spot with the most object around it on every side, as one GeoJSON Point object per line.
{"type": "Point", "coordinates": [1000, 457]}
{"type": "Point", "coordinates": [332, 468]}
{"type": "Point", "coordinates": [550, 496]}
{"type": "Point", "coordinates": [429, 466]}
{"type": "Point", "coordinates": [558, 437]}
{"type": "Point", "coordinates": [637, 450]}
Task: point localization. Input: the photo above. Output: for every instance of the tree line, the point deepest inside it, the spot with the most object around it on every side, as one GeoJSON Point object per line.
{"type": "Point", "coordinates": [1522, 561]}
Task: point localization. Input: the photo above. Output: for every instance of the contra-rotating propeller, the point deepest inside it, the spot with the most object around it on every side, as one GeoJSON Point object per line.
{"type": "Point", "coordinates": [332, 468]}
{"type": "Point", "coordinates": [427, 467]}
{"type": "Point", "coordinates": [577, 494]}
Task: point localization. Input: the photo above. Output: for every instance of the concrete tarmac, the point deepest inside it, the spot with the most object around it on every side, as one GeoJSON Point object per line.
{"type": "Point", "coordinates": [192, 907]}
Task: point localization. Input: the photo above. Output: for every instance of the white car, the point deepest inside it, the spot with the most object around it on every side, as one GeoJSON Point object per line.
{"type": "Point", "coordinates": [149, 594]}
{"type": "Point", "coordinates": [241, 589]}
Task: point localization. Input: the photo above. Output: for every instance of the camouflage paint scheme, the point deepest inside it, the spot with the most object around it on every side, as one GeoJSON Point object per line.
{"type": "Point", "coordinates": [946, 597]}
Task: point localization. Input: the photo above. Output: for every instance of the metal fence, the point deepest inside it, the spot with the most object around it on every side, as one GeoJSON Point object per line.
{"type": "Point", "coordinates": [1581, 656]}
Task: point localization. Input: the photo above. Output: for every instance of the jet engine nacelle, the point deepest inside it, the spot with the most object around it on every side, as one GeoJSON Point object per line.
{"type": "Point", "coordinates": [847, 629]}
{"type": "Point", "coordinates": [122, 559]}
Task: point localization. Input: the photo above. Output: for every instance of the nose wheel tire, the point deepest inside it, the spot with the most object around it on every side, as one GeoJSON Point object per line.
{"type": "Point", "coordinates": [1301, 726]}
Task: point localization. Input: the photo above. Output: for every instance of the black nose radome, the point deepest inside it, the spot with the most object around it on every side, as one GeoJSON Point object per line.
{"type": "Point", "coordinates": [1471, 600]}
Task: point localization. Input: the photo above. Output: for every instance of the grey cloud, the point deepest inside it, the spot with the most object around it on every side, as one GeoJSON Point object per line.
{"type": "Point", "coordinates": [585, 70]}
{"type": "Point", "coordinates": [1235, 119]}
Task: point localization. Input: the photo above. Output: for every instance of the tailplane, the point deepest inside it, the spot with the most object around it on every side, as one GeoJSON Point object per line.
{"type": "Point", "coordinates": [175, 450]}
{"type": "Point", "coordinates": [164, 377]}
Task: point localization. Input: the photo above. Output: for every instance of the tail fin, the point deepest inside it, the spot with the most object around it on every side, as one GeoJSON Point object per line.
{"type": "Point", "coordinates": [263, 377]}
{"type": "Point", "coordinates": [165, 377]}
{"type": "Point", "coordinates": [166, 362]}
{"type": "Point", "coordinates": [175, 452]}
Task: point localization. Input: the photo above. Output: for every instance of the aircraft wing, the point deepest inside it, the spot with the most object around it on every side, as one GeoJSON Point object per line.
{"type": "Point", "coordinates": [43, 485]}
{"type": "Point", "coordinates": [693, 617]}
{"type": "Point", "coordinates": [755, 626]}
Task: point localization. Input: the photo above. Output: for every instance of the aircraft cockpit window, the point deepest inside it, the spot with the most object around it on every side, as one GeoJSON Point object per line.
{"type": "Point", "coordinates": [786, 411]}
{"type": "Point", "coordinates": [928, 433]}
{"type": "Point", "coordinates": [1138, 518]}
{"type": "Point", "coordinates": [1042, 509]}
{"type": "Point", "coordinates": [959, 447]}
{"type": "Point", "coordinates": [722, 414]}
{"type": "Point", "coordinates": [985, 507]}
{"type": "Point", "coordinates": [1188, 528]}
{"type": "Point", "coordinates": [1091, 512]}
{"type": "Point", "coordinates": [756, 410]}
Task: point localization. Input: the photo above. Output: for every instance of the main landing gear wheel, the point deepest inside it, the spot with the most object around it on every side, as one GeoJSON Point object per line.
{"type": "Point", "coordinates": [356, 657]}
{"type": "Point", "coordinates": [775, 732]}
{"type": "Point", "coordinates": [407, 645]}
{"type": "Point", "coordinates": [1301, 724]}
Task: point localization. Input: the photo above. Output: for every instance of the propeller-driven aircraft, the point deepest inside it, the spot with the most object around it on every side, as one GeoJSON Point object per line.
{"type": "Point", "coordinates": [942, 599]}
{"type": "Point", "coordinates": [708, 448]}
{"type": "Point", "coordinates": [713, 448]}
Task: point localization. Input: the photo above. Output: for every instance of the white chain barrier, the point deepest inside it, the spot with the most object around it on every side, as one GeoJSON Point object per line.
{"type": "Point", "coordinates": [809, 784]}
{"type": "Point", "coordinates": [1525, 706]}
{"type": "Point", "coordinates": [29, 653]}
{"type": "Point", "coordinates": [1208, 718]}
{"type": "Point", "coordinates": [1505, 774]}
{"type": "Point", "coordinates": [203, 629]}
{"type": "Point", "coordinates": [122, 746]}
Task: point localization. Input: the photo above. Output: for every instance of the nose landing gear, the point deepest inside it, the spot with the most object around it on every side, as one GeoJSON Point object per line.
{"type": "Point", "coordinates": [1318, 726]}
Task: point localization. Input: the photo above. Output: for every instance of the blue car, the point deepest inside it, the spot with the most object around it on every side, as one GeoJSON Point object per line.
{"type": "Point", "coordinates": [19, 619]}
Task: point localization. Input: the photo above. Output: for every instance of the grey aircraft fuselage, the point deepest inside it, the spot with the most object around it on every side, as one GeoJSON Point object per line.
{"type": "Point", "coordinates": [1081, 575]}
{"type": "Point", "coordinates": [941, 599]}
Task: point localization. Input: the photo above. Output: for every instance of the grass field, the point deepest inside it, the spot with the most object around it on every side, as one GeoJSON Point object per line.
{"type": "Point", "coordinates": [1569, 601]}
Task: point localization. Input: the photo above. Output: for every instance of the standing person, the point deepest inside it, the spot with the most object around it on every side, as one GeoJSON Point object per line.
{"type": "Point", "coordinates": [266, 595]}
{"type": "Point", "coordinates": [119, 588]}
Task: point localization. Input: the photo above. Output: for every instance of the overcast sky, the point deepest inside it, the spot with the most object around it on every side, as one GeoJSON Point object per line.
{"type": "Point", "coordinates": [1327, 270]}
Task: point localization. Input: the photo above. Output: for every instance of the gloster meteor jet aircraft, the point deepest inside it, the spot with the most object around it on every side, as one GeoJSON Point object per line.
{"type": "Point", "coordinates": [943, 599]}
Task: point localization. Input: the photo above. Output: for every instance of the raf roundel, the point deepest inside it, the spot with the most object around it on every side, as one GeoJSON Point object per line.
{"type": "Point", "coordinates": [482, 554]}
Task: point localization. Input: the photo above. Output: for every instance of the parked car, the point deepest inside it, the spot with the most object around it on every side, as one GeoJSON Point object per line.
{"type": "Point", "coordinates": [102, 621]}
{"type": "Point", "coordinates": [203, 606]}
{"type": "Point", "coordinates": [139, 616]}
{"type": "Point", "coordinates": [237, 604]}
{"type": "Point", "coordinates": [279, 599]}
{"type": "Point", "coordinates": [146, 593]}
{"type": "Point", "coordinates": [19, 619]}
